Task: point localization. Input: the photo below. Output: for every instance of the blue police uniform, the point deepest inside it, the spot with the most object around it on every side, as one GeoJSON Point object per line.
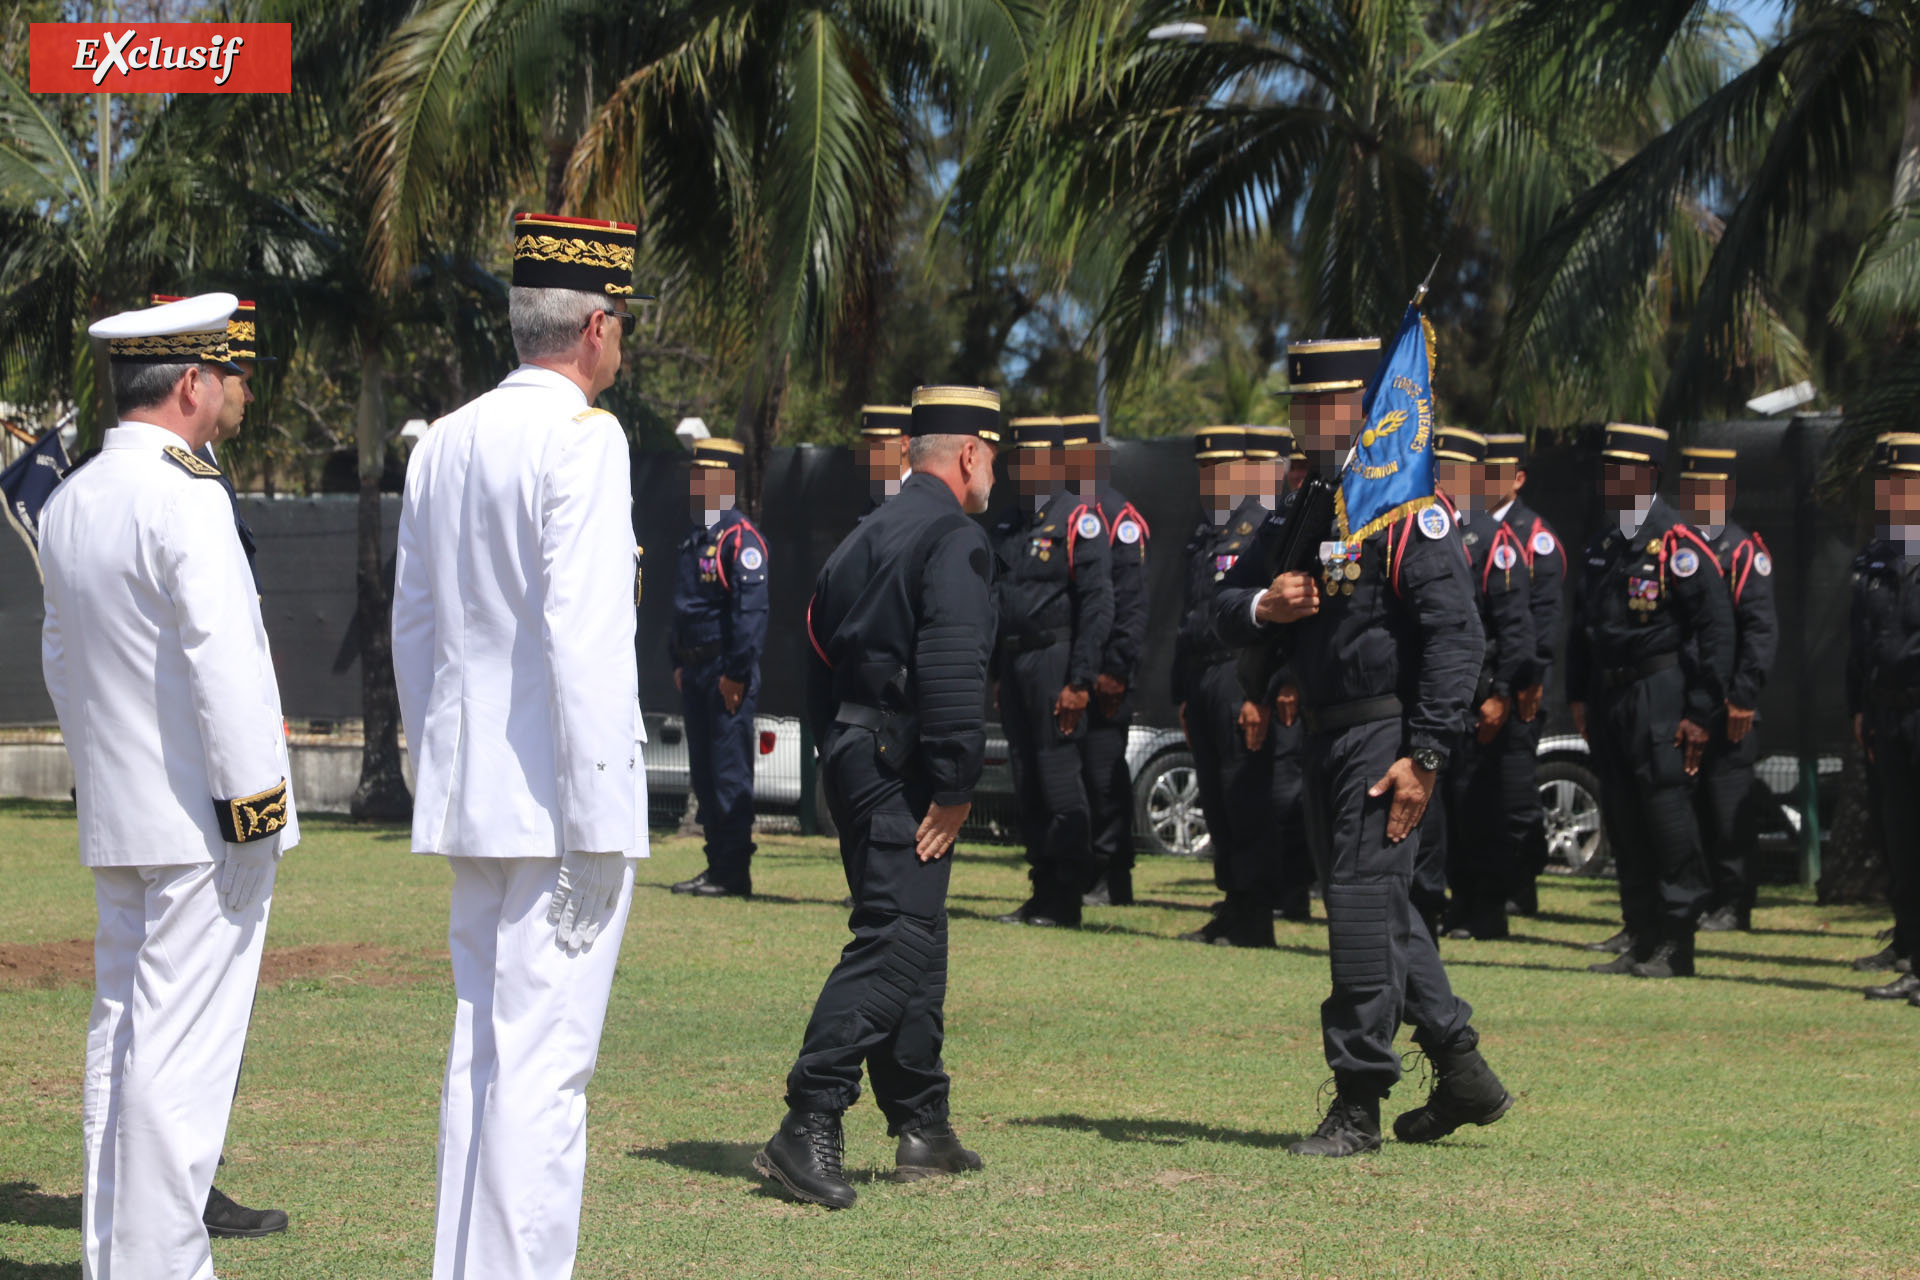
{"type": "Point", "coordinates": [720, 628]}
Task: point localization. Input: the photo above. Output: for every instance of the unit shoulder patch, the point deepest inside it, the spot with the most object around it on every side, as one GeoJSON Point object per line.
{"type": "Point", "coordinates": [1685, 562]}
{"type": "Point", "coordinates": [192, 463]}
{"type": "Point", "coordinates": [1505, 557]}
{"type": "Point", "coordinates": [1128, 532]}
{"type": "Point", "coordinates": [1763, 564]}
{"type": "Point", "coordinates": [751, 559]}
{"type": "Point", "coordinates": [1089, 526]}
{"type": "Point", "coordinates": [1543, 544]}
{"type": "Point", "coordinates": [1434, 521]}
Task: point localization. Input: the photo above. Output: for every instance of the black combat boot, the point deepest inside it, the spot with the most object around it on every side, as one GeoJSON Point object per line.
{"type": "Point", "coordinates": [1619, 944]}
{"type": "Point", "coordinates": [1213, 932]}
{"type": "Point", "coordinates": [1671, 959]}
{"type": "Point", "coordinates": [1465, 1091]}
{"type": "Point", "coordinates": [1624, 962]}
{"type": "Point", "coordinates": [929, 1150]}
{"type": "Point", "coordinates": [1351, 1127]}
{"type": "Point", "coordinates": [1888, 958]}
{"type": "Point", "coordinates": [1727, 919]}
{"type": "Point", "coordinates": [804, 1157]}
{"type": "Point", "coordinates": [1901, 988]}
{"type": "Point", "coordinates": [229, 1220]}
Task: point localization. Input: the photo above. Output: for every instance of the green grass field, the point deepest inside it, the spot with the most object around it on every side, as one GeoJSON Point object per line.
{"type": "Point", "coordinates": [1132, 1094]}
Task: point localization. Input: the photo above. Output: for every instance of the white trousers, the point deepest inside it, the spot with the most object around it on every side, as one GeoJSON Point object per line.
{"type": "Point", "coordinates": [526, 1037]}
{"type": "Point", "coordinates": [173, 978]}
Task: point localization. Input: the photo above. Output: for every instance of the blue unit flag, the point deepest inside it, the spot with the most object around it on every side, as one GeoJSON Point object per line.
{"type": "Point", "coordinates": [1389, 474]}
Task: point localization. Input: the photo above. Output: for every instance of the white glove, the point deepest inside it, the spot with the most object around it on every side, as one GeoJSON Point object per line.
{"type": "Point", "coordinates": [589, 887]}
{"type": "Point", "coordinates": [246, 877]}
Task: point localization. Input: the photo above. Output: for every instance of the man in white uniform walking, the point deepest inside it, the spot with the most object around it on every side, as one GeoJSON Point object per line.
{"type": "Point", "coordinates": [157, 661]}
{"type": "Point", "coordinates": [513, 650]}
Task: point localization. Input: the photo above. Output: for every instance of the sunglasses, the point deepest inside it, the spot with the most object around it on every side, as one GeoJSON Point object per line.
{"type": "Point", "coordinates": [628, 320]}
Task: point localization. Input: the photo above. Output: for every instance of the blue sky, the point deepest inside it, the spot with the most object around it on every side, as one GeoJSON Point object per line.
{"type": "Point", "coordinates": [1761, 15]}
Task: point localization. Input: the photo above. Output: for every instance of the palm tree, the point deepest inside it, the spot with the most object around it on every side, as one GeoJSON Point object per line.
{"type": "Point", "coordinates": [762, 144]}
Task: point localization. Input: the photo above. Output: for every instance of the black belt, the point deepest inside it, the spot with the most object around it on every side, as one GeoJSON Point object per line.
{"type": "Point", "coordinates": [695, 655]}
{"type": "Point", "coordinates": [1621, 677]}
{"type": "Point", "coordinates": [1028, 641]}
{"type": "Point", "coordinates": [1345, 715]}
{"type": "Point", "coordinates": [860, 716]}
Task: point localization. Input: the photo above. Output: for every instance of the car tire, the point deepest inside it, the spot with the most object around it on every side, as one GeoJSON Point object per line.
{"type": "Point", "coordinates": [1576, 841]}
{"type": "Point", "coordinates": [1166, 807]}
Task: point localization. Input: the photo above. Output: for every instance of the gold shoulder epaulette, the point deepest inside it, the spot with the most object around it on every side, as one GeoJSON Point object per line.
{"type": "Point", "coordinates": [584, 414]}
{"type": "Point", "coordinates": [191, 463]}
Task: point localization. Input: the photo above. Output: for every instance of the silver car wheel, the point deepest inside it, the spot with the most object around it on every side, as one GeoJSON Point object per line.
{"type": "Point", "coordinates": [1173, 810]}
{"type": "Point", "coordinates": [1573, 824]}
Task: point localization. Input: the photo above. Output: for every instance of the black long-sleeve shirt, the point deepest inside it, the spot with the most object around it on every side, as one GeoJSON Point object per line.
{"type": "Point", "coordinates": [1053, 579]}
{"type": "Point", "coordinates": [1128, 536]}
{"type": "Point", "coordinates": [1883, 651]}
{"type": "Point", "coordinates": [1210, 553]}
{"type": "Point", "coordinates": [1547, 581]}
{"type": "Point", "coordinates": [1746, 564]}
{"type": "Point", "coordinates": [902, 618]}
{"type": "Point", "coordinates": [1501, 581]}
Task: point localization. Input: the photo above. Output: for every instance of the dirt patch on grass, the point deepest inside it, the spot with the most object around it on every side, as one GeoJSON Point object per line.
{"type": "Point", "coordinates": [45, 965]}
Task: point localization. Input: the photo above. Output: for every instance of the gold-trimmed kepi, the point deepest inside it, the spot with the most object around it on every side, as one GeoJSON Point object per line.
{"type": "Point", "coordinates": [1219, 444]}
{"type": "Point", "coordinates": [192, 329]}
{"type": "Point", "coordinates": [956, 411]}
{"type": "Point", "coordinates": [1330, 364]}
{"type": "Point", "coordinates": [1268, 444]}
{"type": "Point", "coordinates": [717, 452]}
{"type": "Point", "coordinates": [1038, 432]}
{"type": "Point", "coordinates": [884, 421]}
{"type": "Point", "coordinates": [1457, 444]}
{"type": "Point", "coordinates": [1897, 451]}
{"type": "Point", "coordinates": [1626, 442]}
{"type": "Point", "coordinates": [243, 342]}
{"type": "Point", "coordinates": [1083, 428]}
{"type": "Point", "coordinates": [1506, 449]}
{"type": "Point", "coordinates": [1698, 462]}
{"type": "Point", "coordinates": [591, 255]}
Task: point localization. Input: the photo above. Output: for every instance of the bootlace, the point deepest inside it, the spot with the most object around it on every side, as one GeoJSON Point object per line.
{"type": "Point", "coordinates": [1430, 1072]}
{"type": "Point", "coordinates": [1339, 1110]}
{"type": "Point", "coordinates": [828, 1145]}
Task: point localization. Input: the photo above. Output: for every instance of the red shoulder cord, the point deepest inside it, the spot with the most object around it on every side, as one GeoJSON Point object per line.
{"type": "Point", "coordinates": [1073, 526]}
{"type": "Point", "coordinates": [720, 555]}
{"type": "Point", "coordinates": [1740, 573]}
{"type": "Point", "coordinates": [1487, 572]}
{"type": "Point", "coordinates": [1397, 551]}
{"type": "Point", "coordinates": [1138, 519]}
{"type": "Point", "coordinates": [1527, 550]}
{"type": "Point", "coordinates": [821, 653]}
{"type": "Point", "coordinates": [1684, 531]}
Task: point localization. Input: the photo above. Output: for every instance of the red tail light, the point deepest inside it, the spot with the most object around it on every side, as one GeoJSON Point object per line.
{"type": "Point", "coordinates": [767, 737]}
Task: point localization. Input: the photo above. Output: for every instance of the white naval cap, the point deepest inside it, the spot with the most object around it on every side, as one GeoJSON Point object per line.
{"type": "Point", "coordinates": [191, 329]}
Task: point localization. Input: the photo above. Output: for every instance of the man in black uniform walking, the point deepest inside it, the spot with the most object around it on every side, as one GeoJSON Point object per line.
{"type": "Point", "coordinates": [900, 626]}
{"type": "Point", "coordinates": [1103, 749]}
{"type": "Point", "coordinates": [1385, 646]}
{"type": "Point", "coordinates": [1727, 807]}
{"type": "Point", "coordinates": [1883, 693]}
{"type": "Point", "coordinates": [1648, 659]}
{"type": "Point", "coordinates": [1546, 558]}
{"type": "Point", "coordinates": [1055, 600]}
{"type": "Point", "coordinates": [1486, 829]}
{"type": "Point", "coordinates": [1222, 723]}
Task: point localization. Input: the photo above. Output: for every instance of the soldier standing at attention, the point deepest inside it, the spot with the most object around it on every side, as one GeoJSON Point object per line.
{"type": "Point", "coordinates": [1103, 749]}
{"type": "Point", "coordinates": [1648, 660]}
{"type": "Point", "coordinates": [157, 662]}
{"type": "Point", "coordinates": [1486, 833]}
{"type": "Point", "coordinates": [882, 451]}
{"type": "Point", "coordinates": [1385, 646]}
{"type": "Point", "coordinates": [900, 627]}
{"type": "Point", "coordinates": [1883, 693]}
{"type": "Point", "coordinates": [1506, 474]}
{"type": "Point", "coordinates": [1055, 600]}
{"type": "Point", "coordinates": [513, 635]}
{"type": "Point", "coordinates": [719, 631]}
{"type": "Point", "coordinates": [1224, 727]}
{"type": "Point", "coordinates": [1726, 805]}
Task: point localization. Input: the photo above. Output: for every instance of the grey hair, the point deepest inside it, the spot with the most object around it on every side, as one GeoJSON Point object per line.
{"type": "Point", "coordinates": [137, 385]}
{"type": "Point", "coordinates": [547, 322]}
{"type": "Point", "coordinates": [924, 452]}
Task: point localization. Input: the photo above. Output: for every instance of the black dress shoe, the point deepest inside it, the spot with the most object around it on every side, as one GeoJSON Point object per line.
{"type": "Point", "coordinates": [230, 1220]}
{"type": "Point", "coordinates": [701, 887]}
{"type": "Point", "coordinates": [1904, 987]}
{"type": "Point", "coordinates": [694, 885]}
{"type": "Point", "coordinates": [1669, 960]}
{"type": "Point", "coordinates": [1622, 963]}
{"type": "Point", "coordinates": [931, 1150]}
{"type": "Point", "coordinates": [804, 1156]}
{"type": "Point", "coordinates": [1098, 896]}
{"type": "Point", "coordinates": [1886, 958]}
{"type": "Point", "coordinates": [1619, 944]}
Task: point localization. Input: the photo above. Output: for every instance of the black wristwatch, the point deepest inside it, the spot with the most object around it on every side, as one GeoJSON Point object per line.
{"type": "Point", "coordinates": [1429, 759]}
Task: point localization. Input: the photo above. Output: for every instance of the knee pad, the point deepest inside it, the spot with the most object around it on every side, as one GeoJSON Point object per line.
{"type": "Point", "coordinates": [1360, 933]}
{"type": "Point", "coordinates": [912, 946]}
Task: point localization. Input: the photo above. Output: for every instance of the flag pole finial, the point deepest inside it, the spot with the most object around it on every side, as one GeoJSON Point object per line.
{"type": "Point", "coordinates": [1420, 294]}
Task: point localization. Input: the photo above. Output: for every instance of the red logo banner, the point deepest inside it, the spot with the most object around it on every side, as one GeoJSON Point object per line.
{"type": "Point", "coordinates": [161, 57]}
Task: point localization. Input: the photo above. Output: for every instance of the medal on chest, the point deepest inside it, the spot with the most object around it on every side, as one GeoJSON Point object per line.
{"type": "Point", "coordinates": [710, 564]}
{"type": "Point", "coordinates": [1040, 548]}
{"type": "Point", "coordinates": [1339, 568]}
{"type": "Point", "coordinates": [1643, 595]}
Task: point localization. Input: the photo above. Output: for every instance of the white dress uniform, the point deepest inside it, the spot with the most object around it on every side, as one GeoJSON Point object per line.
{"type": "Point", "coordinates": [513, 649]}
{"type": "Point", "coordinates": [157, 661]}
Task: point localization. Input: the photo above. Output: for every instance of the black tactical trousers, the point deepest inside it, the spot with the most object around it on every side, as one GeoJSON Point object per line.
{"type": "Point", "coordinates": [884, 1003]}
{"type": "Point", "coordinates": [1728, 812]}
{"type": "Point", "coordinates": [1646, 803]}
{"type": "Point", "coordinates": [1236, 790]}
{"type": "Point", "coordinates": [1386, 967]}
{"type": "Point", "coordinates": [1047, 780]}
{"type": "Point", "coordinates": [1287, 749]}
{"type": "Point", "coordinates": [720, 755]}
{"type": "Point", "coordinates": [1492, 805]}
{"type": "Point", "coordinates": [1109, 784]}
{"type": "Point", "coordinates": [1522, 792]}
{"type": "Point", "coordinates": [1895, 739]}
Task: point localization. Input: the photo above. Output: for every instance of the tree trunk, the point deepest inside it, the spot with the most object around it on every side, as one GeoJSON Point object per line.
{"type": "Point", "coordinates": [382, 794]}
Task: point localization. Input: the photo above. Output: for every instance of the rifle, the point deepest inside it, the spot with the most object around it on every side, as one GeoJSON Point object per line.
{"type": "Point", "coordinates": [1308, 523]}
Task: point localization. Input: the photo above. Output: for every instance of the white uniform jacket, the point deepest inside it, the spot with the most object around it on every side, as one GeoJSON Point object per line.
{"type": "Point", "coordinates": [513, 628]}
{"type": "Point", "coordinates": [157, 660]}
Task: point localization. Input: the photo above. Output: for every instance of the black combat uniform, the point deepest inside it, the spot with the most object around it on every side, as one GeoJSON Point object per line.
{"type": "Point", "coordinates": [1651, 643]}
{"type": "Point", "coordinates": [1726, 805]}
{"type": "Point", "coordinates": [1103, 750]}
{"type": "Point", "coordinates": [1489, 820]}
{"type": "Point", "coordinates": [1055, 604]}
{"type": "Point", "coordinates": [900, 627]}
{"type": "Point", "coordinates": [1236, 784]}
{"type": "Point", "coordinates": [1883, 688]}
{"type": "Point", "coordinates": [1385, 669]}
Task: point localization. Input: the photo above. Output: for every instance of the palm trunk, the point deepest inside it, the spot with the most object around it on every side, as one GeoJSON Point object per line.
{"type": "Point", "coordinates": [757, 424]}
{"type": "Point", "coordinates": [382, 794]}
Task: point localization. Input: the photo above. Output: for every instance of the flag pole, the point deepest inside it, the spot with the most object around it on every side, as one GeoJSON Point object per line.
{"type": "Point", "coordinates": [1420, 294]}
